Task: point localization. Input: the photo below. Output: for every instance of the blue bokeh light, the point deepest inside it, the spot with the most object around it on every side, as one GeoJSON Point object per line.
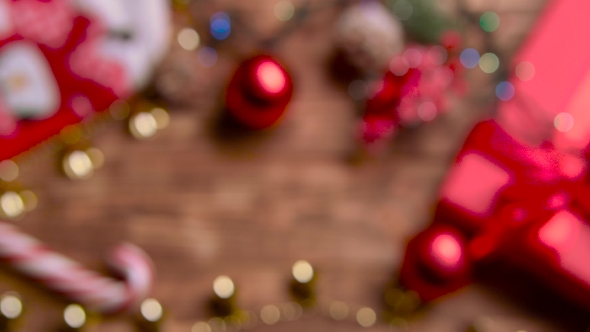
{"type": "Point", "coordinates": [470, 58]}
{"type": "Point", "coordinates": [220, 26]}
{"type": "Point", "coordinates": [505, 91]}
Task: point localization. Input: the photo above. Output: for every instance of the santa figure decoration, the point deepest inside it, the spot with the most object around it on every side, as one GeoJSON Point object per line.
{"type": "Point", "coordinates": [62, 61]}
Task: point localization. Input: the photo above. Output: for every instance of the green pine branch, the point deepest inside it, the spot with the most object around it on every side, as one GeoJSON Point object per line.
{"type": "Point", "coordinates": [422, 21]}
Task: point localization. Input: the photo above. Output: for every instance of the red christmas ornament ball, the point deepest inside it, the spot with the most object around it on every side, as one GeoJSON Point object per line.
{"type": "Point", "coordinates": [436, 263]}
{"type": "Point", "coordinates": [259, 92]}
{"type": "Point", "coordinates": [443, 254]}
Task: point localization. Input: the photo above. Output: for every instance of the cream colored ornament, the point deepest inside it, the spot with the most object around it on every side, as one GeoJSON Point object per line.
{"type": "Point", "coordinates": [369, 35]}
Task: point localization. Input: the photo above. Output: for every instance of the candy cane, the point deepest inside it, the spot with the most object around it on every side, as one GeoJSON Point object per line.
{"type": "Point", "coordinates": [66, 277]}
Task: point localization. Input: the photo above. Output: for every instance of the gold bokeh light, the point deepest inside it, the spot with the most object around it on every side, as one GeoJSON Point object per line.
{"type": "Point", "coordinates": [11, 305]}
{"type": "Point", "coordinates": [96, 156]}
{"type": "Point", "coordinates": [9, 171]}
{"type": "Point", "coordinates": [366, 317]}
{"type": "Point", "coordinates": [151, 310]}
{"type": "Point", "coordinates": [201, 327]}
{"type": "Point", "coordinates": [188, 39]}
{"type": "Point", "coordinates": [161, 116]}
{"type": "Point", "coordinates": [270, 314]}
{"type": "Point", "coordinates": [78, 165]}
{"type": "Point", "coordinates": [284, 10]}
{"type": "Point", "coordinates": [30, 200]}
{"type": "Point", "coordinates": [292, 311]}
{"type": "Point", "coordinates": [11, 204]}
{"type": "Point", "coordinates": [339, 310]}
{"type": "Point", "coordinates": [303, 272]}
{"type": "Point", "coordinates": [223, 287]}
{"type": "Point", "coordinates": [75, 316]}
{"type": "Point", "coordinates": [143, 125]}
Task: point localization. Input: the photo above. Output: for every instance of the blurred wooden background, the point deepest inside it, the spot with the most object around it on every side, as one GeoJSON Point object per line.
{"type": "Point", "coordinates": [204, 204]}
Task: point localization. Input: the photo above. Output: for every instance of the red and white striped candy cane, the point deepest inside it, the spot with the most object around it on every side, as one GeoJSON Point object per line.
{"type": "Point", "coordinates": [67, 277]}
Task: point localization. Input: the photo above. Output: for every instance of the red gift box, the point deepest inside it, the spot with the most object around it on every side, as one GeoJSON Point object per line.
{"type": "Point", "coordinates": [493, 169]}
{"type": "Point", "coordinates": [551, 76]}
{"type": "Point", "coordinates": [555, 247]}
{"type": "Point", "coordinates": [517, 189]}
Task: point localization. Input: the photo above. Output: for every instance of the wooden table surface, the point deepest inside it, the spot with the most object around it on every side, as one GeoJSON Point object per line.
{"type": "Point", "coordinates": [204, 200]}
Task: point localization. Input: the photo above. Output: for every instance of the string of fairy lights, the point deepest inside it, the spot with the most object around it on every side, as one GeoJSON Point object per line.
{"type": "Point", "coordinates": [227, 316]}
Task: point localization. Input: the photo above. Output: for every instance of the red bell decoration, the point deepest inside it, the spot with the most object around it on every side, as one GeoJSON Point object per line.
{"type": "Point", "coordinates": [259, 92]}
